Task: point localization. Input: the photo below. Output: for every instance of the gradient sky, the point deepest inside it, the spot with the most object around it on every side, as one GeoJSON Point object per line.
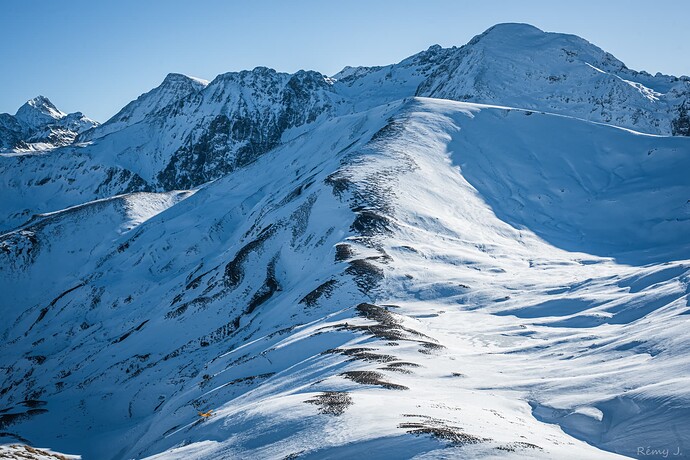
{"type": "Point", "coordinates": [95, 56]}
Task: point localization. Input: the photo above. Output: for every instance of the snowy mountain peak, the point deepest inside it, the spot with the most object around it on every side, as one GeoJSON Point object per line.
{"type": "Point", "coordinates": [39, 125]}
{"type": "Point", "coordinates": [527, 40]}
{"type": "Point", "coordinates": [257, 75]}
{"type": "Point", "coordinates": [173, 88]}
{"type": "Point", "coordinates": [44, 105]}
{"type": "Point", "coordinates": [520, 65]}
{"type": "Point", "coordinates": [178, 78]}
{"type": "Point", "coordinates": [513, 30]}
{"type": "Point", "coordinates": [38, 111]}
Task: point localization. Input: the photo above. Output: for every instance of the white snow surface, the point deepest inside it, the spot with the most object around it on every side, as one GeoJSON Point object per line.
{"type": "Point", "coordinates": [402, 277]}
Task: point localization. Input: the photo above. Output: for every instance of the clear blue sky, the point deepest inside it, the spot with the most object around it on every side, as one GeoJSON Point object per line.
{"type": "Point", "coordinates": [95, 56]}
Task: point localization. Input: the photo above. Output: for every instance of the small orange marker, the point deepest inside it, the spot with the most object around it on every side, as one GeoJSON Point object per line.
{"type": "Point", "coordinates": [206, 414]}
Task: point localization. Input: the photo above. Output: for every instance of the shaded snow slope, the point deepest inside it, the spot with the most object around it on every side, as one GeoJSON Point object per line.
{"type": "Point", "coordinates": [48, 182]}
{"type": "Point", "coordinates": [581, 187]}
{"type": "Point", "coordinates": [425, 278]}
{"type": "Point", "coordinates": [46, 253]}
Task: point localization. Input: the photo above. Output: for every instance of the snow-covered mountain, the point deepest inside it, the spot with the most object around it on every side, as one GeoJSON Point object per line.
{"type": "Point", "coordinates": [39, 125]}
{"type": "Point", "coordinates": [187, 132]}
{"type": "Point", "coordinates": [518, 65]}
{"type": "Point", "coordinates": [296, 266]}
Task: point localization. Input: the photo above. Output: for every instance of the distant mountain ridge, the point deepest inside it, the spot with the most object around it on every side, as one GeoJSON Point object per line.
{"type": "Point", "coordinates": [509, 64]}
{"type": "Point", "coordinates": [39, 125]}
{"type": "Point", "coordinates": [187, 131]}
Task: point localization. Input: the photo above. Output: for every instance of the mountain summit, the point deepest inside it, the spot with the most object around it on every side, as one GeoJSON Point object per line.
{"type": "Point", "coordinates": [477, 252]}
{"type": "Point", "coordinates": [175, 87]}
{"type": "Point", "coordinates": [37, 112]}
{"type": "Point", "coordinates": [39, 125]}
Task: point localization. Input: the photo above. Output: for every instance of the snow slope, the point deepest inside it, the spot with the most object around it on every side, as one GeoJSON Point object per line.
{"type": "Point", "coordinates": [373, 295]}
{"type": "Point", "coordinates": [357, 270]}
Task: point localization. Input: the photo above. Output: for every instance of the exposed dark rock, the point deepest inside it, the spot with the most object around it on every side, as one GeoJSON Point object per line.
{"type": "Point", "coordinates": [9, 419]}
{"type": "Point", "coordinates": [372, 378]}
{"type": "Point", "coordinates": [680, 126]}
{"type": "Point", "coordinates": [441, 430]}
{"type": "Point", "coordinates": [332, 402]}
{"type": "Point", "coordinates": [343, 251]}
{"type": "Point", "coordinates": [366, 275]}
{"type": "Point", "coordinates": [128, 333]}
{"type": "Point", "coordinates": [370, 223]}
{"type": "Point", "coordinates": [233, 270]}
{"type": "Point", "coordinates": [362, 354]}
{"type": "Point", "coordinates": [198, 302]}
{"type": "Point", "coordinates": [514, 446]}
{"type": "Point", "coordinates": [266, 291]}
{"type": "Point", "coordinates": [338, 183]}
{"type": "Point", "coordinates": [243, 132]}
{"type": "Point", "coordinates": [323, 290]}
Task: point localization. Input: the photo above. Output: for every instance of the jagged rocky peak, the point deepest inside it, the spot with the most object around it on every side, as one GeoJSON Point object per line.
{"type": "Point", "coordinates": [263, 79]}
{"type": "Point", "coordinates": [174, 87]}
{"type": "Point", "coordinates": [311, 78]}
{"type": "Point", "coordinates": [266, 80]}
{"type": "Point", "coordinates": [240, 116]}
{"type": "Point", "coordinates": [421, 61]}
{"type": "Point", "coordinates": [40, 125]}
{"type": "Point", "coordinates": [38, 111]}
{"type": "Point", "coordinates": [263, 97]}
{"type": "Point", "coordinates": [435, 54]}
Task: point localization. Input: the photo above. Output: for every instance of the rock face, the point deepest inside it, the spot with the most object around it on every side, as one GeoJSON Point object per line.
{"type": "Point", "coordinates": [681, 124]}
{"type": "Point", "coordinates": [39, 125]}
{"type": "Point", "coordinates": [240, 117]}
{"type": "Point", "coordinates": [279, 265]}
